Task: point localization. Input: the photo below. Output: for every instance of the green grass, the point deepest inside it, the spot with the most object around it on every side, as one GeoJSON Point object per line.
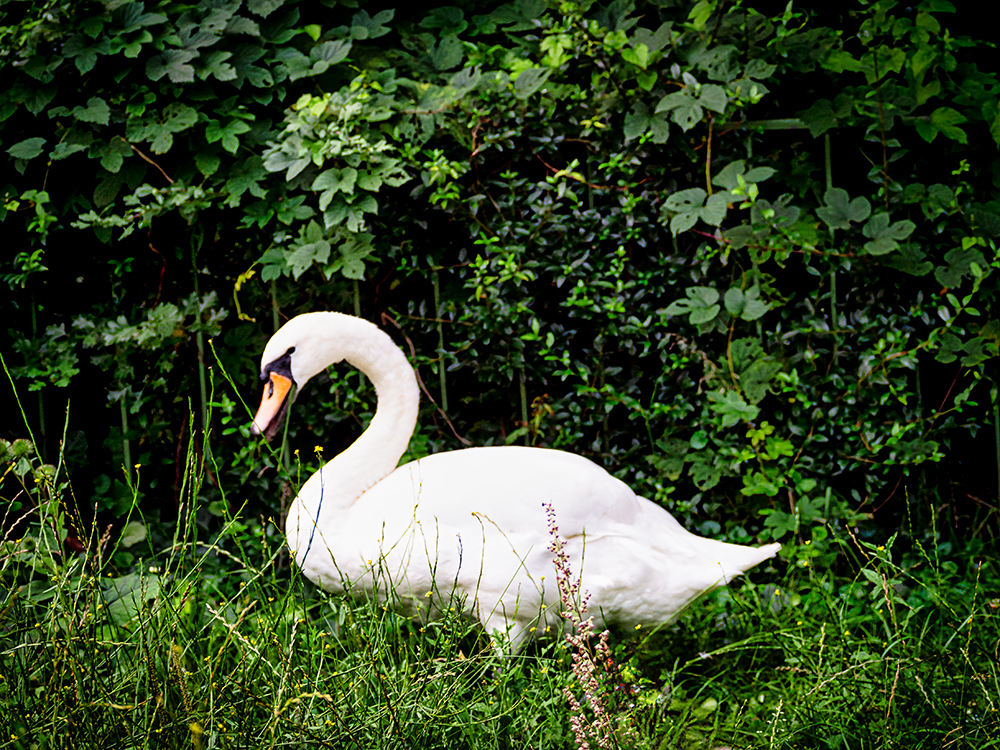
{"type": "Point", "coordinates": [215, 642]}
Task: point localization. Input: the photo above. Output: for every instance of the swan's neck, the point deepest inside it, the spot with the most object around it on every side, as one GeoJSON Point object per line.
{"type": "Point", "coordinates": [374, 455]}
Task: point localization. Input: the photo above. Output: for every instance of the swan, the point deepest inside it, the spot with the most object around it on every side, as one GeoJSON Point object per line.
{"type": "Point", "coordinates": [470, 525]}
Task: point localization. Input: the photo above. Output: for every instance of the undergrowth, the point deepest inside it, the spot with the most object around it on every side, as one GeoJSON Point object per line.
{"type": "Point", "coordinates": [213, 641]}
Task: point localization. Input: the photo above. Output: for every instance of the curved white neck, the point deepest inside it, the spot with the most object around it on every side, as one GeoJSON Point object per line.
{"type": "Point", "coordinates": [375, 454]}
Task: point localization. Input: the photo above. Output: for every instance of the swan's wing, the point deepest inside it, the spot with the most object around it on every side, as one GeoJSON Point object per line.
{"type": "Point", "coordinates": [510, 486]}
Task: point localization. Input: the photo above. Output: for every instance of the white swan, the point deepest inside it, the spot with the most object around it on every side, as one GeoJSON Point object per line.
{"type": "Point", "coordinates": [472, 521]}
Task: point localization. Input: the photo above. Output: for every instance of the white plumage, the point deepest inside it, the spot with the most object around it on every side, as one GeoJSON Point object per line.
{"type": "Point", "coordinates": [472, 522]}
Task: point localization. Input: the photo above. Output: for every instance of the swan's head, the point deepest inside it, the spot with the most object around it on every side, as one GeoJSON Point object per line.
{"type": "Point", "coordinates": [303, 347]}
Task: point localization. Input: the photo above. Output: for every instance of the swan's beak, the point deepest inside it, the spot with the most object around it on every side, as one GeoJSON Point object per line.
{"type": "Point", "coordinates": [273, 406]}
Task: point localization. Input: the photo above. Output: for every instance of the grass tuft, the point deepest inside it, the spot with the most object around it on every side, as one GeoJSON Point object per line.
{"type": "Point", "coordinates": [211, 640]}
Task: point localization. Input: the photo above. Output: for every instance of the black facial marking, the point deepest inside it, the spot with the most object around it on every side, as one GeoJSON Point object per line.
{"type": "Point", "coordinates": [282, 365]}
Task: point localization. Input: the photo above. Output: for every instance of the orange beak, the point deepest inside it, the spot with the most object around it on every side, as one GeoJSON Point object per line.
{"type": "Point", "coordinates": [273, 406]}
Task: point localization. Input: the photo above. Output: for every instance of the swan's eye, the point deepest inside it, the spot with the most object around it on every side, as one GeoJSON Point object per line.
{"type": "Point", "coordinates": [291, 350]}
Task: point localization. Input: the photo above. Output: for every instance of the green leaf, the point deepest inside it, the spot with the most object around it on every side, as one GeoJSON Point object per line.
{"type": "Point", "coordinates": [910, 259]}
{"type": "Point", "coordinates": [704, 472]}
{"type": "Point", "coordinates": [216, 65]}
{"type": "Point", "coordinates": [728, 177]}
{"type": "Point", "coordinates": [839, 213]}
{"type": "Point", "coordinates": [745, 305]}
{"type": "Point", "coordinates": [641, 119]}
{"type": "Point", "coordinates": [334, 181]}
{"type": "Point", "coordinates": [758, 483]}
{"type": "Point", "coordinates": [125, 596]}
{"type": "Point", "coordinates": [685, 200]}
{"type": "Point", "coordinates": [884, 235]}
{"type": "Point", "coordinates": [713, 97]}
{"type": "Point", "coordinates": [959, 265]}
{"type": "Point", "coordinates": [683, 107]}
{"type": "Point", "coordinates": [112, 153]}
{"type": "Point", "coordinates": [27, 149]}
{"type": "Point", "coordinates": [331, 52]}
{"type": "Point", "coordinates": [638, 55]}
{"type": "Point", "coordinates": [97, 110]}
{"type": "Point", "coordinates": [819, 117]}
{"type": "Point", "coordinates": [215, 131]}
{"type": "Point", "coordinates": [718, 62]}
{"type": "Point", "coordinates": [133, 533]}
{"type": "Point", "coordinates": [731, 407]}
{"type": "Point", "coordinates": [264, 7]}
{"type": "Point", "coordinates": [207, 162]}
{"type": "Point", "coordinates": [714, 211]}
{"type": "Point", "coordinates": [779, 521]}
{"type": "Point", "coordinates": [944, 120]}
{"type": "Point", "coordinates": [530, 80]}
{"type": "Point", "coordinates": [838, 61]}
{"type": "Point", "coordinates": [312, 247]}
{"type": "Point", "coordinates": [739, 237]}
{"type": "Point", "coordinates": [701, 305]}
{"type": "Point", "coordinates": [654, 41]}
{"type": "Point", "coordinates": [173, 64]}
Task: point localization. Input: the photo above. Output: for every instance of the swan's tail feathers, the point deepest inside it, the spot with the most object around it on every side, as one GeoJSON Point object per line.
{"type": "Point", "coordinates": [737, 559]}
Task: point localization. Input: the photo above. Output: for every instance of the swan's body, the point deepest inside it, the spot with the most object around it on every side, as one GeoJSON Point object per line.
{"type": "Point", "coordinates": [473, 522]}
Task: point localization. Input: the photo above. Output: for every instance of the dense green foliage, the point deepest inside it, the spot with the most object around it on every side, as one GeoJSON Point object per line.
{"type": "Point", "coordinates": [744, 258]}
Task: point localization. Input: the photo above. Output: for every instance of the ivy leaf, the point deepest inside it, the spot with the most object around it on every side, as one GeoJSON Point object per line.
{"type": "Point", "coordinates": [638, 55]}
{"type": "Point", "coordinates": [173, 64]}
{"type": "Point", "coordinates": [683, 107]}
{"type": "Point", "coordinates": [369, 180]}
{"type": "Point", "coordinates": [350, 262]}
{"type": "Point", "coordinates": [216, 65]}
{"type": "Point", "coordinates": [27, 149]}
{"type": "Point", "coordinates": [704, 472]}
{"type": "Point", "coordinates": [701, 305]}
{"type": "Point", "coordinates": [745, 305]}
{"type": "Point", "coordinates": [112, 153]}
{"type": "Point", "coordinates": [264, 8]}
{"type": "Point", "coordinates": [731, 407]}
{"type": "Point", "coordinates": [241, 25]}
{"type": "Point", "coordinates": [944, 120]}
{"type": "Point", "coordinates": [371, 27]}
{"type": "Point", "coordinates": [97, 110]}
{"type": "Point", "coordinates": [819, 117]}
{"type": "Point", "coordinates": [884, 235]}
{"type": "Point", "coordinates": [214, 131]}
{"type": "Point", "coordinates": [910, 259]}
{"type": "Point", "coordinates": [291, 156]}
{"type": "Point", "coordinates": [718, 62]}
{"type": "Point", "coordinates": [758, 483]}
{"type": "Point", "coordinates": [353, 213]}
{"type": "Point", "coordinates": [176, 118]}
{"type": "Point", "coordinates": [839, 213]}
{"type": "Point", "coordinates": [654, 40]}
{"type": "Point", "coordinates": [83, 52]}
{"type": "Point", "coordinates": [530, 80]}
{"type": "Point", "coordinates": [728, 178]}
{"type": "Point", "coordinates": [107, 189]}
{"type": "Point", "coordinates": [641, 119]}
{"type": "Point", "coordinates": [334, 181]}
{"type": "Point", "coordinates": [312, 247]}
{"type": "Point", "coordinates": [73, 142]}
{"type": "Point", "coordinates": [959, 262]}
{"type": "Point", "coordinates": [34, 98]}
{"type": "Point", "coordinates": [243, 176]}
{"type": "Point", "coordinates": [447, 53]}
